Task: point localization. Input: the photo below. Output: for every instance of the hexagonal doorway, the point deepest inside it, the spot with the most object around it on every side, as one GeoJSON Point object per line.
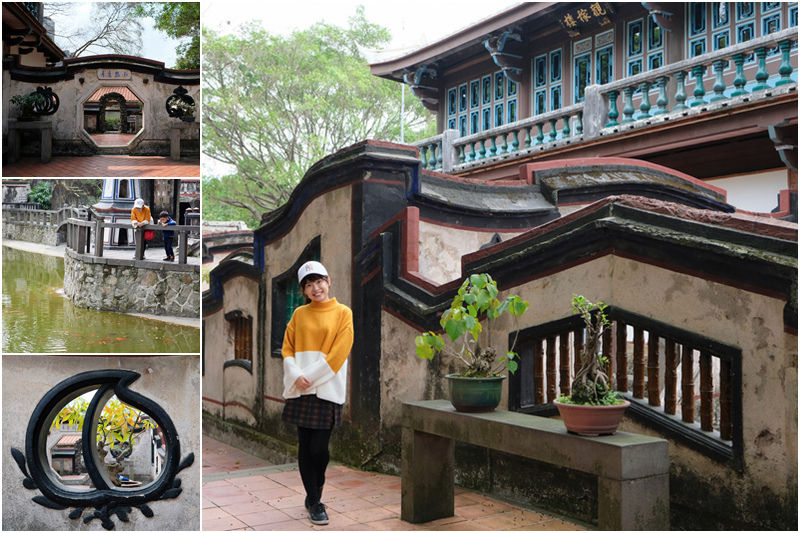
{"type": "Point", "coordinates": [113, 116]}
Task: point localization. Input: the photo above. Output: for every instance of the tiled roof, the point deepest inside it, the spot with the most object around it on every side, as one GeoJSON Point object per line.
{"type": "Point", "coordinates": [68, 440]}
{"type": "Point", "coordinates": [124, 91]}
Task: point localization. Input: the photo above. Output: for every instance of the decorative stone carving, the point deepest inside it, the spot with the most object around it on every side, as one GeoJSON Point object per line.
{"type": "Point", "coordinates": [106, 499]}
{"type": "Point", "coordinates": [179, 95]}
{"type": "Point", "coordinates": [51, 101]}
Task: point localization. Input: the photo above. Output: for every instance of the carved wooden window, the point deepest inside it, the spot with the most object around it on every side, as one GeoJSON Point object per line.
{"type": "Point", "coordinates": [482, 104]}
{"type": "Point", "coordinates": [241, 327]}
{"type": "Point", "coordinates": [682, 384]}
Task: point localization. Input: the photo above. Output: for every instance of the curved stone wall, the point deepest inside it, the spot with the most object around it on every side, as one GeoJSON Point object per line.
{"type": "Point", "coordinates": [26, 231]}
{"type": "Point", "coordinates": [122, 285]}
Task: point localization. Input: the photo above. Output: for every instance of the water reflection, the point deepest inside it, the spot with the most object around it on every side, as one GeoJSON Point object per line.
{"type": "Point", "coordinates": [128, 444]}
{"type": "Point", "coordinates": [38, 319]}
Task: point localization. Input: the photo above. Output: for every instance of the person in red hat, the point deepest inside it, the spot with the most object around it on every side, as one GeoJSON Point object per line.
{"type": "Point", "coordinates": [316, 347]}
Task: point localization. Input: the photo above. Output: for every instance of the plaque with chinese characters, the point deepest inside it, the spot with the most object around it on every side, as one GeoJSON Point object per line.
{"type": "Point", "coordinates": [113, 74]}
{"type": "Point", "coordinates": [585, 16]}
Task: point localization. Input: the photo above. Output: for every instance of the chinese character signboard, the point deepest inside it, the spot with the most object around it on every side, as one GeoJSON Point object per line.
{"type": "Point", "coordinates": [586, 16]}
{"type": "Point", "coordinates": [113, 74]}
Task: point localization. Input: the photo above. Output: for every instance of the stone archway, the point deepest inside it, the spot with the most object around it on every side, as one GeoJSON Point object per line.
{"type": "Point", "coordinates": [123, 112]}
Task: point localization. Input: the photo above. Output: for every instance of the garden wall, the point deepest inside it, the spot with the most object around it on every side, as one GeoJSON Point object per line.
{"type": "Point", "coordinates": [172, 382]}
{"type": "Point", "coordinates": [125, 286]}
{"type": "Point", "coordinates": [31, 232]}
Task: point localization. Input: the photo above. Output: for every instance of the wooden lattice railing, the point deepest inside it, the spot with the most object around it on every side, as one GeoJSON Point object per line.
{"type": "Point", "coordinates": [684, 384]}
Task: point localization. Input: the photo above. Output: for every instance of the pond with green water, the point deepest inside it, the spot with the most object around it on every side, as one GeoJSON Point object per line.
{"type": "Point", "coordinates": [38, 319]}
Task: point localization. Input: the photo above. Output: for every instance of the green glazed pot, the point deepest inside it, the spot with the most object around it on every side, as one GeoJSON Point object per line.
{"type": "Point", "coordinates": [475, 395]}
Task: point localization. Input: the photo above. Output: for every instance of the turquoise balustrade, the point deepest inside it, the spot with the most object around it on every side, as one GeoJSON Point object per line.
{"type": "Point", "coordinates": [677, 88]}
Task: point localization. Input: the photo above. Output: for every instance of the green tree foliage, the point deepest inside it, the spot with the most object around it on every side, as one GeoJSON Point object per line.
{"type": "Point", "coordinates": [273, 105]}
{"type": "Point", "coordinates": [41, 193]}
{"type": "Point", "coordinates": [178, 20]}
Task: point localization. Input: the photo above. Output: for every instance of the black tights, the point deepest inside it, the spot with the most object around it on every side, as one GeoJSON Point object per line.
{"type": "Point", "coordinates": [313, 457]}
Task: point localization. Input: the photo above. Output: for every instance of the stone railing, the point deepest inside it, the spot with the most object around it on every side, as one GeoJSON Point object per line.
{"type": "Point", "coordinates": [22, 205]}
{"type": "Point", "coordinates": [86, 237]}
{"type": "Point", "coordinates": [679, 89]}
{"type": "Point", "coordinates": [31, 214]}
{"type": "Point", "coordinates": [26, 223]}
{"type": "Point", "coordinates": [28, 215]}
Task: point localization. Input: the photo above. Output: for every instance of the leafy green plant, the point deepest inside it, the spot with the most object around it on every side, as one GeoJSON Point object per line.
{"type": "Point", "coordinates": [478, 295]}
{"type": "Point", "coordinates": [41, 193]}
{"type": "Point", "coordinates": [117, 428]}
{"type": "Point", "coordinates": [188, 108]}
{"type": "Point", "coordinates": [27, 103]}
{"type": "Point", "coordinates": [112, 124]}
{"type": "Point", "coordinates": [591, 385]}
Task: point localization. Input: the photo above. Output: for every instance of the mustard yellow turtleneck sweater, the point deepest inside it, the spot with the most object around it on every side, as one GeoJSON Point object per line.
{"type": "Point", "coordinates": [316, 345]}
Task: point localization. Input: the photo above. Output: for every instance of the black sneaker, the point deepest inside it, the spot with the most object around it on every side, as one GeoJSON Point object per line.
{"type": "Point", "coordinates": [317, 514]}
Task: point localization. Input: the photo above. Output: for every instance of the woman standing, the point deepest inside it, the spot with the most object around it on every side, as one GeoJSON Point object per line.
{"type": "Point", "coordinates": [140, 216]}
{"type": "Point", "coordinates": [316, 346]}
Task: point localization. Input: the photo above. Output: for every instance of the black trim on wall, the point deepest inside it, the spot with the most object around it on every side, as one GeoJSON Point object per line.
{"type": "Point", "coordinates": [242, 363]}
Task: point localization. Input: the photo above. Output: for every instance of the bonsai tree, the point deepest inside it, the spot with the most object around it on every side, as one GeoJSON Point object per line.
{"type": "Point", "coordinates": [477, 295]}
{"type": "Point", "coordinates": [117, 428]}
{"type": "Point", "coordinates": [27, 104]}
{"type": "Point", "coordinates": [188, 108]}
{"type": "Point", "coordinates": [591, 385]}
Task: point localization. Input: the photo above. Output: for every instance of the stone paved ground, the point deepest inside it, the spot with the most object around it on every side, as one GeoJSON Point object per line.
{"type": "Point", "coordinates": [112, 139]}
{"type": "Point", "coordinates": [153, 254]}
{"type": "Point", "coordinates": [104, 166]}
{"type": "Point", "coordinates": [244, 493]}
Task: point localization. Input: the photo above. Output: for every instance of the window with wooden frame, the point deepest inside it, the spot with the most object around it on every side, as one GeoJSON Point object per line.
{"type": "Point", "coordinates": [482, 104]}
{"type": "Point", "coordinates": [241, 328]}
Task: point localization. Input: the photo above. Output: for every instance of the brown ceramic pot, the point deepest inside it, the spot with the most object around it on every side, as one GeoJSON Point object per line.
{"type": "Point", "coordinates": [591, 420]}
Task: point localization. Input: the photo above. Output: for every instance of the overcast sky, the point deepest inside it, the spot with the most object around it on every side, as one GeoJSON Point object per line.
{"type": "Point", "coordinates": [411, 22]}
{"type": "Point", "coordinates": [155, 44]}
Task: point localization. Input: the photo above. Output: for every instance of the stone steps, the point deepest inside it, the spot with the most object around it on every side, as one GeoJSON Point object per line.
{"type": "Point", "coordinates": [113, 150]}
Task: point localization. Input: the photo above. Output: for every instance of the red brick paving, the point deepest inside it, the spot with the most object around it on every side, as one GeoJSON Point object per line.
{"type": "Point", "coordinates": [104, 166]}
{"type": "Point", "coordinates": [243, 492]}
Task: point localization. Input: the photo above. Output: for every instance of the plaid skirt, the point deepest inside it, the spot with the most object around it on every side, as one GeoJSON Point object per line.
{"type": "Point", "coordinates": [311, 412]}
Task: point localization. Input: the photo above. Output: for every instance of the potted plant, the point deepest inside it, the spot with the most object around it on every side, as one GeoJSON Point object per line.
{"type": "Point", "coordinates": [27, 104]}
{"type": "Point", "coordinates": [479, 386]}
{"type": "Point", "coordinates": [188, 109]}
{"type": "Point", "coordinates": [592, 408]}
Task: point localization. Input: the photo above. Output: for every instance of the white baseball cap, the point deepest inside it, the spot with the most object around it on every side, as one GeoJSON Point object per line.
{"type": "Point", "coordinates": [139, 203]}
{"type": "Point", "coordinates": [311, 267]}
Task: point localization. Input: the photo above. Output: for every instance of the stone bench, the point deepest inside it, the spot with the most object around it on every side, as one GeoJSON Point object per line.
{"type": "Point", "coordinates": [632, 470]}
{"type": "Point", "coordinates": [176, 129]}
{"type": "Point", "coordinates": [45, 129]}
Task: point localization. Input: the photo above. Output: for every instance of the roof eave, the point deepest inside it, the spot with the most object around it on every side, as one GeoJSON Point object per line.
{"type": "Point", "coordinates": [468, 37]}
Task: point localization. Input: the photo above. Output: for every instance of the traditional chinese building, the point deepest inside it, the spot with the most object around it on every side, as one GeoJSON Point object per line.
{"type": "Point", "coordinates": [87, 96]}
{"type": "Point", "coordinates": [706, 88]}
{"type": "Point", "coordinates": [612, 150]}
